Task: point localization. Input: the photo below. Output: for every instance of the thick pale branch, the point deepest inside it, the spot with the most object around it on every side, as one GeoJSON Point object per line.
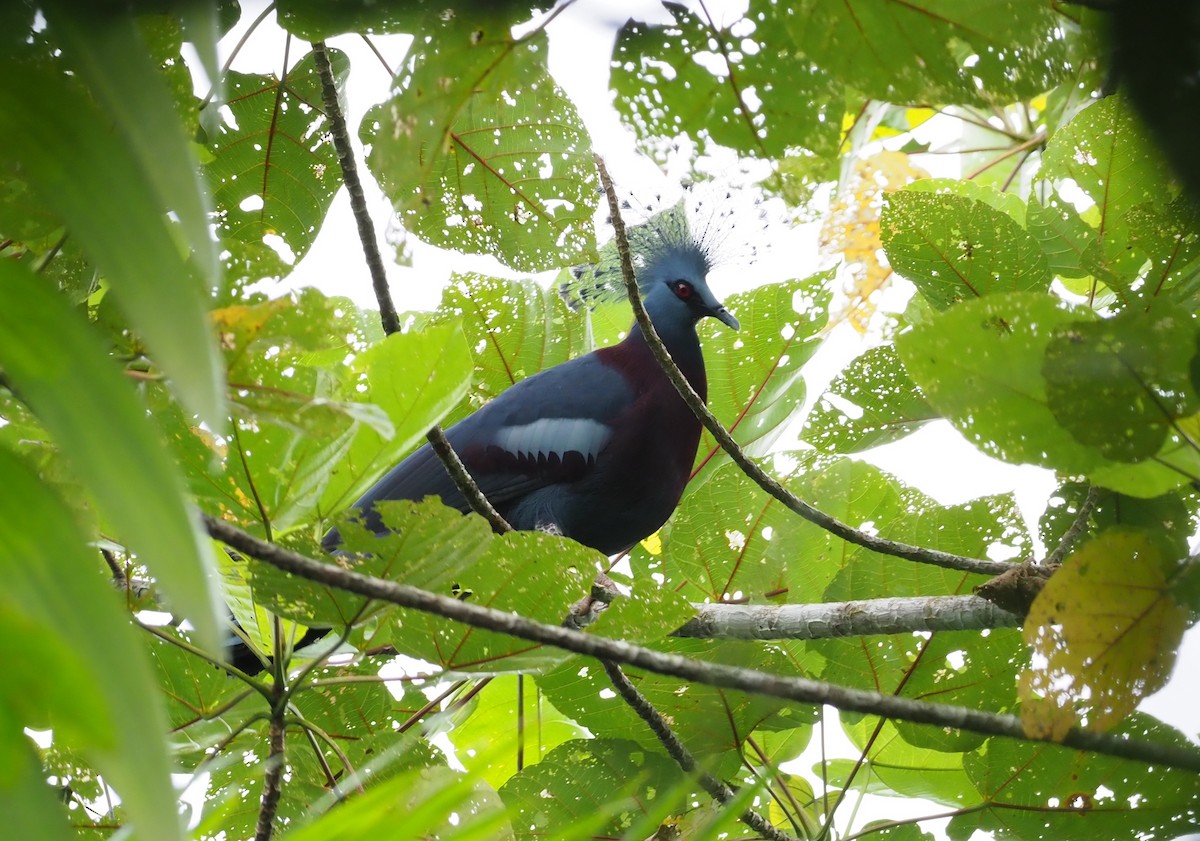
{"type": "Point", "coordinates": [760, 476]}
{"type": "Point", "coordinates": [846, 619]}
{"type": "Point", "coordinates": [715, 674]}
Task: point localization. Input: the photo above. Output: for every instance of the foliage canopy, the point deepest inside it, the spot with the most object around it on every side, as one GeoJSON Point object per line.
{"type": "Point", "coordinates": [145, 378]}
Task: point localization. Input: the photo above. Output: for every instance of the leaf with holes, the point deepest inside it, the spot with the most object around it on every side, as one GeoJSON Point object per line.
{"type": "Point", "coordinates": [480, 151]}
{"type": "Point", "coordinates": [871, 402]}
{"type": "Point", "coordinates": [913, 52]}
{"type": "Point", "coordinates": [754, 375]}
{"type": "Point", "coordinates": [1106, 627]}
{"type": "Point", "coordinates": [1120, 385]}
{"type": "Point", "coordinates": [756, 97]}
{"type": "Point", "coordinates": [274, 169]}
{"type": "Point", "coordinates": [954, 247]}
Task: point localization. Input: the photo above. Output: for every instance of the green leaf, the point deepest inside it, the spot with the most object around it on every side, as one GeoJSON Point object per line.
{"type": "Point", "coordinates": [898, 766]}
{"type": "Point", "coordinates": [1063, 236]}
{"type": "Point", "coordinates": [592, 788]}
{"type": "Point", "coordinates": [273, 165]}
{"type": "Point", "coordinates": [417, 378]}
{"type": "Point", "coordinates": [980, 364]}
{"type": "Point", "coordinates": [480, 151]}
{"type": "Point", "coordinates": [490, 734]}
{"type": "Point", "coordinates": [762, 102]}
{"type": "Point", "coordinates": [113, 62]}
{"type": "Point", "coordinates": [51, 583]}
{"type": "Point", "coordinates": [1105, 152]}
{"type": "Point", "coordinates": [1121, 384]}
{"type": "Point", "coordinates": [871, 402]}
{"type": "Point", "coordinates": [29, 804]}
{"type": "Point", "coordinates": [754, 375]}
{"type": "Point", "coordinates": [80, 168]}
{"type": "Point", "coordinates": [61, 370]}
{"type": "Point", "coordinates": [916, 52]}
{"type": "Point", "coordinates": [1063, 793]}
{"type": "Point", "coordinates": [712, 722]}
{"type": "Point", "coordinates": [954, 248]}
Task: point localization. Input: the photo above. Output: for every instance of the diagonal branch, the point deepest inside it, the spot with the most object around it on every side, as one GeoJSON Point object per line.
{"type": "Point", "coordinates": [768, 483]}
{"type": "Point", "coordinates": [798, 689]}
{"type": "Point", "coordinates": [387, 309]}
{"type": "Point", "coordinates": [358, 201]}
{"type": "Point", "coordinates": [716, 789]}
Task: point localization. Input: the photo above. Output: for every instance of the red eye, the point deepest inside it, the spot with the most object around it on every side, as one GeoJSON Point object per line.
{"type": "Point", "coordinates": [683, 289]}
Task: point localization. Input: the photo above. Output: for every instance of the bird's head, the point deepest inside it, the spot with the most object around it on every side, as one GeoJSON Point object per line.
{"type": "Point", "coordinates": [674, 287]}
{"type": "Point", "coordinates": [671, 264]}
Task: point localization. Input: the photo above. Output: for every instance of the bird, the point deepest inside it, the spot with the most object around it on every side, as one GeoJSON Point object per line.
{"type": "Point", "coordinates": [599, 448]}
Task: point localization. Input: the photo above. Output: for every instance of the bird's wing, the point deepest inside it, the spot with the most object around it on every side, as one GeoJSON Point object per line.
{"type": "Point", "coordinates": [547, 428]}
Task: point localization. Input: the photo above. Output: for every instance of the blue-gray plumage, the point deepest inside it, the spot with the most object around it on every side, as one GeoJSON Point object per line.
{"type": "Point", "coordinates": [597, 449]}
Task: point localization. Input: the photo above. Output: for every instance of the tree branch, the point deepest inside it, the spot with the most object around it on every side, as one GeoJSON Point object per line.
{"type": "Point", "coordinates": [716, 789]}
{"type": "Point", "coordinates": [846, 619]}
{"type": "Point", "coordinates": [358, 202]}
{"type": "Point", "coordinates": [768, 483]}
{"type": "Point", "coordinates": [465, 482]}
{"type": "Point", "coordinates": [798, 689]}
{"type": "Point", "coordinates": [1076, 528]}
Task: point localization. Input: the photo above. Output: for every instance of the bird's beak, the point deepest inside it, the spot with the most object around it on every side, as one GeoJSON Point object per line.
{"type": "Point", "coordinates": [726, 317]}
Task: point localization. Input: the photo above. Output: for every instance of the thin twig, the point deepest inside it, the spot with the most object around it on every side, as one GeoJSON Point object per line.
{"type": "Point", "coordinates": [272, 781]}
{"type": "Point", "coordinates": [803, 690]}
{"type": "Point", "coordinates": [716, 789]}
{"type": "Point", "coordinates": [464, 481]}
{"type": "Point", "coordinates": [358, 201]}
{"type": "Point", "coordinates": [1067, 541]}
{"type": "Point", "coordinates": [768, 483]}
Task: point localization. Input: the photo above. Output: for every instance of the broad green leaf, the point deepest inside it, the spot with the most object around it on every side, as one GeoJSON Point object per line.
{"type": "Point", "coordinates": [51, 583]}
{"type": "Point", "coordinates": [1061, 793]}
{"type": "Point", "coordinates": [754, 382]}
{"type": "Point", "coordinates": [60, 369]}
{"type": "Point", "coordinates": [729, 540]}
{"type": "Point", "coordinates": [490, 735]}
{"type": "Point", "coordinates": [273, 166]}
{"type": "Point", "coordinates": [431, 547]}
{"type": "Point", "coordinates": [871, 402]}
{"type": "Point", "coordinates": [316, 20]}
{"type": "Point", "coordinates": [417, 378]}
{"type": "Point", "coordinates": [1167, 515]}
{"type": "Point", "coordinates": [514, 329]}
{"type": "Point", "coordinates": [1007, 203]}
{"type": "Point", "coordinates": [915, 52]}
{"type": "Point", "coordinates": [1106, 628]}
{"type": "Point", "coordinates": [1169, 237]}
{"type": "Point", "coordinates": [431, 803]}
{"type": "Point", "coordinates": [1105, 152]}
{"type": "Point", "coordinates": [532, 574]}
{"type": "Point", "coordinates": [712, 722]}
{"type": "Point", "coordinates": [480, 151]}
{"type": "Point", "coordinates": [955, 248]}
{"type": "Point", "coordinates": [761, 101]}
{"type": "Point", "coordinates": [114, 63]}
{"type": "Point", "coordinates": [31, 809]}
{"type": "Point", "coordinates": [363, 715]}
{"type": "Point", "coordinates": [592, 788]}
{"type": "Point", "coordinates": [80, 168]}
{"type": "Point", "coordinates": [980, 364]}
{"type": "Point", "coordinates": [903, 768]}
{"type": "Point", "coordinates": [1120, 385]}
{"type": "Point", "coordinates": [1063, 236]}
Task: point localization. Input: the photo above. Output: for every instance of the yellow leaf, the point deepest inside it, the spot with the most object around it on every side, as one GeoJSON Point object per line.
{"type": "Point", "coordinates": [1104, 633]}
{"type": "Point", "coordinates": [851, 230]}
